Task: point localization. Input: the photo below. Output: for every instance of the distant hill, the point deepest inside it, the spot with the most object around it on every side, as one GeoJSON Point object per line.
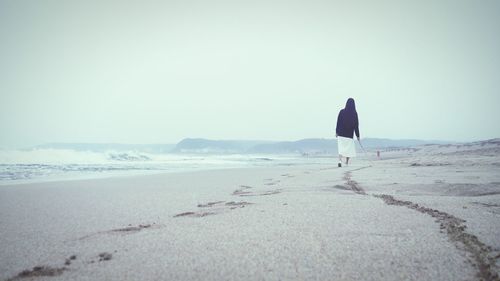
{"type": "Point", "coordinates": [102, 147]}
{"type": "Point", "coordinates": [305, 146]}
{"type": "Point", "coordinates": [198, 145]}
{"type": "Point", "coordinates": [489, 147]}
{"type": "Point", "coordinates": [387, 143]}
{"type": "Point", "coordinates": [313, 146]}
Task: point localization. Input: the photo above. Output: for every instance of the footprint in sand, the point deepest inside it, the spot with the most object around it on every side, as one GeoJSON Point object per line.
{"type": "Point", "coordinates": [131, 228]}
{"type": "Point", "coordinates": [241, 204]}
{"type": "Point", "coordinates": [272, 183]}
{"type": "Point", "coordinates": [210, 204]}
{"type": "Point", "coordinates": [242, 190]}
{"type": "Point", "coordinates": [216, 207]}
{"type": "Point", "coordinates": [342, 187]}
{"type": "Point", "coordinates": [38, 271]}
{"type": "Point", "coordinates": [269, 192]}
{"type": "Point", "coordinates": [194, 214]}
{"type": "Point", "coordinates": [68, 260]}
{"type": "Point", "coordinates": [124, 230]}
{"type": "Point", "coordinates": [105, 256]}
{"type": "Point", "coordinates": [49, 271]}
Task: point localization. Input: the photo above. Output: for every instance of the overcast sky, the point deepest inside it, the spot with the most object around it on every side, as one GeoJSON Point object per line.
{"type": "Point", "coordinates": [159, 71]}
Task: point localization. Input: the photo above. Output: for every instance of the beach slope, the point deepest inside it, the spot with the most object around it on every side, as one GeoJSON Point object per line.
{"type": "Point", "coordinates": [410, 217]}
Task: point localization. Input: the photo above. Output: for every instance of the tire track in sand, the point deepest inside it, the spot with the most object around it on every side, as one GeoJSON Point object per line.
{"type": "Point", "coordinates": [480, 255]}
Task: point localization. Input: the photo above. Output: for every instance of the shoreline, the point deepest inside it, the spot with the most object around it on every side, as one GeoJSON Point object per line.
{"type": "Point", "coordinates": [158, 168]}
{"type": "Point", "coordinates": [127, 174]}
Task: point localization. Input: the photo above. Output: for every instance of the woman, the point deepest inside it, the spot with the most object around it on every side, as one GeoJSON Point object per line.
{"type": "Point", "coordinates": [347, 125]}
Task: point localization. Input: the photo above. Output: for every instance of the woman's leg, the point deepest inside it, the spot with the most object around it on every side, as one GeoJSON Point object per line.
{"type": "Point", "coordinates": [340, 160]}
{"type": "Point", "coordinates": [347, 161]}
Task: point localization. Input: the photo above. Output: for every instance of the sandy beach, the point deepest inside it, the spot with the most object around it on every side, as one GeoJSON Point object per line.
{"type": "Point", "coordinates": [427, 214]}
{"type": "Point", "coordinates": [199, 140]}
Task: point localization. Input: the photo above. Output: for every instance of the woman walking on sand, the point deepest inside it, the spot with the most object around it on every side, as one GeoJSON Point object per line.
{"type": "Point", "coordinates": [347, 125]}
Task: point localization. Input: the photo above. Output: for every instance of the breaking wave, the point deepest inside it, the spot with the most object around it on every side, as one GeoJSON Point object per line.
{"type": "Point", "coordinates": [46, 164]}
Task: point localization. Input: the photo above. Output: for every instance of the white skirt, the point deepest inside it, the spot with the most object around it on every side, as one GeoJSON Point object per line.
{"type": "Point", "coordinates": [346, 146]}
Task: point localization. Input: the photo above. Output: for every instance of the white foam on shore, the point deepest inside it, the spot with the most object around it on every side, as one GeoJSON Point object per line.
{"type": "Point", "coordinates": [41, 165]}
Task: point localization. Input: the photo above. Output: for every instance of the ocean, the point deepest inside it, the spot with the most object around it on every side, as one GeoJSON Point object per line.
{"type": "Point", "coordinates": [47, 164]}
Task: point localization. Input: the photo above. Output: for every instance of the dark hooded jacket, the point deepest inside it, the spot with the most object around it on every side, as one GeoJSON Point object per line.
{"type": "Point", "coordinates": [347, 124]}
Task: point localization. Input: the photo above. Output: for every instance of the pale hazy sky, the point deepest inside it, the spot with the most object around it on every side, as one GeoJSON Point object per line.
{"type": "Point", "coordinates": [159, 71]}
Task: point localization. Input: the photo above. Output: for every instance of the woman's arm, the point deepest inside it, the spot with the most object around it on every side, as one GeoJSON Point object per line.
{"type": "Point", "coordinates": [339, 123]}
{"type": "Point", "coordinates": [356, 128]}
